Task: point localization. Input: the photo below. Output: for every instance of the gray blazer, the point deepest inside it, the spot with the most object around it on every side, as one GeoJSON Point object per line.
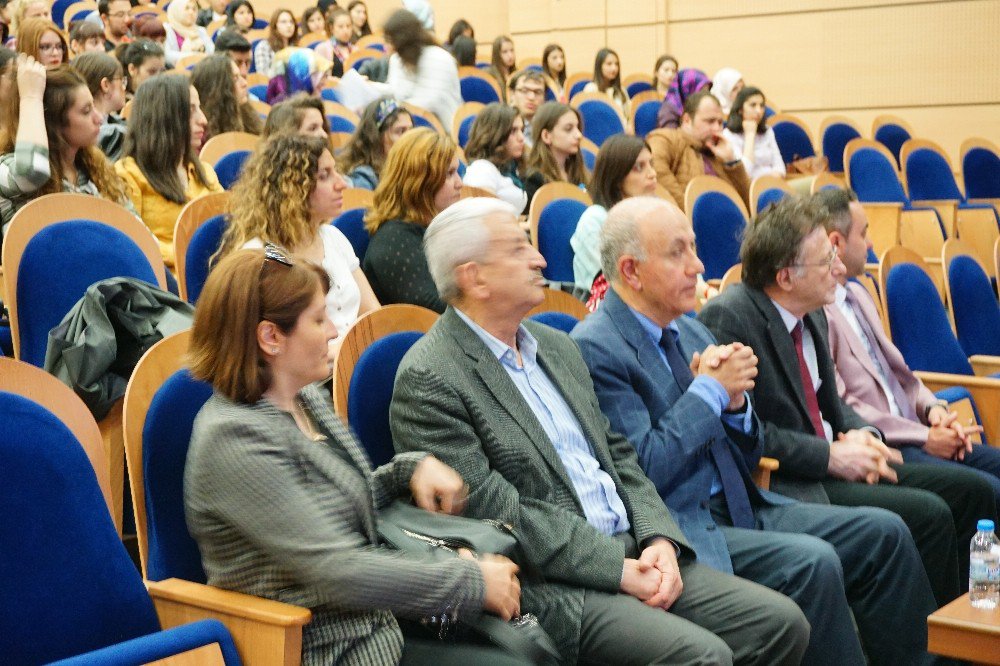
{"type": "Point", "coordinates": [453, 398]}
{"type": "Point", "coordinates": [278, 516]}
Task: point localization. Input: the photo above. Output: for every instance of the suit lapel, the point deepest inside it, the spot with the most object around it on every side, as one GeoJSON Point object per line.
{"type": "Point", "coordinates": [854, 342]}
{"type": "Point", "coordinates": [647, 354]}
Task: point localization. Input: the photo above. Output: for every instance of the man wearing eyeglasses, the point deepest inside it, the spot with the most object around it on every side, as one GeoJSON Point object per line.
{"type": "Point", "coordinates": [117, 22]}
{"type": "Point", "coordinates": [827, 452]}
{"type": "Point", "coordinates": [527, 92]}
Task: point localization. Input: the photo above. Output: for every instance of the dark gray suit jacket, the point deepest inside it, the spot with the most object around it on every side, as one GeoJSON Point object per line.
{"type": "Point", "coordinates": [454, 399]}
{"type": "Point", "coordinates": [747, 315]}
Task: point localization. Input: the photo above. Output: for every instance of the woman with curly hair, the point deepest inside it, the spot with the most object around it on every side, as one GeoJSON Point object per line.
{"type": "Point", "coordinates": [160, 164]}
{"type": "Point", "coordinates": [59, 154]}
{"type": "Point", "coordinates": [299, 114]}
{"type": "Point", "coordinates": [420, 179]}
{"type": "Point", "coordinates": [496, 144]}
{"type": "Point", "coordinates": [44, 41]}
{"type": "Point", "coordinates": [556, 131]}
{"type": "Point", "coordinates": [283, 32]}
{"type": "Point", "coordinates": [225, 97]}
{"type": "Point", "coordinates": [381, 124]}
{"type": "Point", "coordinates": [287, 195]}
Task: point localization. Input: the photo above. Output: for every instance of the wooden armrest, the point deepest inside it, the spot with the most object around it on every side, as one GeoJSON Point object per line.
{"type": "Point", "coordinates": [985, 391]}
{"type": "Point", "coordinates": [984, 365]}
{"type": "Point", "coordinates": [266, 632]}
{"type": "Point", "coordinates": [762, 475]}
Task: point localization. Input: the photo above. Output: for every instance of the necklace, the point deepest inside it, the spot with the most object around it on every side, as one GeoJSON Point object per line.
{"type": "Point", "coordinates": [307, 426]}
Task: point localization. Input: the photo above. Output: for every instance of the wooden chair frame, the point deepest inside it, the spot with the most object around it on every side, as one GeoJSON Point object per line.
{"type": "Point", "coordinates": [835, 120]}
{"type": "Point", "coordinates": [795, 120]}
{"type": "Point", "coordinates": [732, 276]}
{"type": "Point", "coordinates": [361, 54]}
{"type": "Point", "coordinates": [158, 12]}
{"type": "Point", "coordinates": [557, 300]}
{"type": "Point", "coordinates": [573, 79]}
{"type": "Point", "coordinates": [366, 42]}
{"type": "Point", "coordinates": [341, 111]}
{"type": "Point", "coordinates": [357, 197]}
{"type": "Point", "coordinates": [257, 79]}
{"type": "Point", "coordinates": [524, 63]}
{"type": "Point", "coordinates": [903, 255]}
{"type": "Point", "coordinates": [587, 144]}
{"type": "Point", "coordinates": [953, 247]}
{"type": "Point", "coordinates": [469, 191]}
{"type": "Point", "coordinates": [476, 73]}
{"type": "Point", "coordinates": [890, 119]}
{"type": "Point", "coordinates": [978, 142]}
{"type": "Point", "coordinates": [221, 145]}
{"type": "Point", "coordinates": [310, 38]}
{"type": "Point", "coordinates": [370, 327]}
{"type": "Point", "coordinates": [595, 96]}
{"type": "Point", "coordinates": [191, 217]}
{"type": "Point", "coordinates": [545, 195]}
{"type": "Point", "coordinates": [189, 61]}
{"type": "Point", "coordinates": [467, 109]}
{"type": "Point", "coordinates": [764, 183]}
{"type": "Point", "coordinates": [262, 108]}
{"type": "Point", "coordinates": [824, 179]}
{"type": "Point", "coordinates": [701, 184]}
{"type": "Point", "coordinates": [426, 115]}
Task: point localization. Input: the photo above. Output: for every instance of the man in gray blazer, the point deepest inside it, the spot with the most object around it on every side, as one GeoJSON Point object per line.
{"type": "Point", "coordinates": [681, 399]}
{"type": "Point", "coordinates": [511, 407]}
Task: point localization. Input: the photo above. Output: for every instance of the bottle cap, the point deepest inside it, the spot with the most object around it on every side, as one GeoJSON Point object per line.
{"type": "Point", "coordinates": [986, 525]}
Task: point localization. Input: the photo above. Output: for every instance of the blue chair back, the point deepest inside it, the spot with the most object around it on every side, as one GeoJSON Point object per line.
{"type": "Point", "coordinates": [230, 166]}
{"type": "Point", "coordinates": [166, 436]}
{"type": "Point", "coordinates": [977, 315]}
{"type": "Point", "coordinates": [558, 320]}
{"type": "Point", "coordinates": [768, 111]}
{"type": "Point", "coordinates": [835, 139]}
{"type": "Point", "coordinates": [793, 142]}
{"type": "Point", "coordinates": [919, 325]}
{"type": "Point", "coordinates": [645, 117]}
{"type": "Point", "coordinates": [259, 24]}
{"type": "Point", "coordinates": [556, 225]}
{"type": "Point", "coordinates": [420, 121]}
{"type": "Point", "coordinates": [589, 158]}
{"type": "Point", "coordinates": [475, 89]}
{"type": "Point", "coordinates": [370, 393]}
{"type": "Point", "coordinates": [874, 177]}
{"type": "Point", "coordinates": [550, 96]}
{"type": "Point", "coordinates": [871, 258]}
{"type": "Point", "coordinates": [600, 120]}
{"type": "Point", "coordinates": [340, 124]}
{"type": "Point", "coordinates": [259, 91]}
{"type": "Point", "coordinates": [770, 196]}
{"type": "Point", "coordinates": [637, 87]}
{"type": "Point", "coordinates": [58, 265]}
{"type": "Point", "coordinates": [351, 223]}
{"type": "Point", "coordinates": [205, 242]}
{"type": "Point", "coordinates": [330, 95]}
{"type": "Point", "coordinates": [535, 68]}
{"type": "Point", "coordinates": [981, 171]}
{"type": "Point", "coordinates": [577, 88]}
{"type": "Point", "coordinates": [464, 129]}
{"type": "Point", "coordinates": [58, 11]}
{"type": "Point", "coordinates": [718, 224]}
{"type": "Point", "coordinates": [359, 63]}
{"type": "Point", "coordinates": [928, 176]}
{"type": "Point", "coordinates": [461, 168]}
{"type": "Point", "coordinates": [69, 586]}
{"type": "Point", "coordinates": [893, 137]}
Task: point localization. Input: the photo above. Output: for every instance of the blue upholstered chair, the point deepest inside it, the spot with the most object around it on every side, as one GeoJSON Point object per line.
{"type": "Point", "coordinates": [351, 223]}
{"type": "Point", "coordinates": [835, 133]}
{"type": "Point", "coordinates": [191, 261]}
{"type": "Point", "coordinates": [793, 137]}
{"type": "Point", "coordinates": [259, 24]}
{"type": "Point", "coordinates": [70, 589]}
{"type": "Point", "coordinates": [329, 95]}
{"type": "Point", "coordinates": [205, 242]}
{"type": "Point", "coordinates": [230, 166]}
{"type": "Point", "coordinates": [718, 217]}
{"type": "Point", "coordinates": [929, 176]}
{"type": "Point", "coordinates": [768, 197]}
{"type": "Point", "coordinates": [463, 130]}
{"type": "Point", "coordinates": [892, 132]}
{"type": "Point", "coordinates": [340, 123]}
{"type": "Point", "coordinates": [767, 189]}
{"type": "Point", "coordinates": [981, 169]}
{"type": "Point", "coordinates": [644, 119]}
{"type": "Point", "coordinates": [600, 119]}
{"type": "Point", "coordinates": [557, 320]}
{"type": "Point", "coordinates": [973, 302]}
{"type": "Point", "coordinates": [556, 225]}
{"type": "Point", "coordinates": [58, 11]}
{"type": "Point", "coordinates": [259, 91]}
{"type": "Point", "coordinates": [589, 158]}
{"type": "Point", "coordinates": [479, 87]}
{"type": "Point", "coordinates": [637, 86]}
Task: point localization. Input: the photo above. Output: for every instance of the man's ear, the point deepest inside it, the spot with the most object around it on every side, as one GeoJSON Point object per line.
{"type": "Point", "coordinates": [628, 272]}
{"type": "Point", "coordinates": [469, 280]}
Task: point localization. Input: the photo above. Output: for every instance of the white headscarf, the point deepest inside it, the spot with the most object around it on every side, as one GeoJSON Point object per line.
{"type": "Point", "coordinates": [722, 86]}
{"type": "Point", "coordinates": [175, 14]}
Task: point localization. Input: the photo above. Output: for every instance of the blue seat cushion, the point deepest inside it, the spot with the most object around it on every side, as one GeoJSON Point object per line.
{"type": "Point", "coordinates": [205, 242]}
{"type": "Point", "coordinates": [230, 166]}
{"type": "Point", "coordinates": [718, 224]}
{"type": "Point", "coordinates": [558, 320]}
{"type": "Point", "coordinates": [556, 225]}
{"type": "Point", "coordinates": [351, 223]}
{"type": "Point", "coordinates": [977, 315]}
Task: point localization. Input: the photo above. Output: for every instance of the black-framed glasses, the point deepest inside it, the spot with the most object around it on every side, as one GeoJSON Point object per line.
{"type": "Point", "coordinates": [530, 92]}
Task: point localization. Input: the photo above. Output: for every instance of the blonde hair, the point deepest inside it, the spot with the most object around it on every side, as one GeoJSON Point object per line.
{"type": "Point", "coordinates": [20, 9]}
{"type": "Point", "coordinates": [414, 171]}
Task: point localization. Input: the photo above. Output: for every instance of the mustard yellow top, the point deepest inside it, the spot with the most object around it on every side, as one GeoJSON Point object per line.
{"type": "Point", "coordinates": [159, 214]}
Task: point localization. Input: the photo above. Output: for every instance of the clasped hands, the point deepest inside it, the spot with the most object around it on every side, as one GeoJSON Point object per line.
{"type": "Point", "coordinates": [654, 578]}
{"type": "Point", "coordinates": [858, 455]}
{"type": "Point", "coordinates": [947, 438]}
{"type": "Point", "coordinates": [733, 365]}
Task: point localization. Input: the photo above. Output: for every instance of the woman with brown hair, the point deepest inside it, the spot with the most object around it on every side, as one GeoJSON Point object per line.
{"type": "Point", "coordinates": [503, 62]}
{"type": "Point", "coordinates": [225, 97]}
{"type": "Point", "coordinates": [282, 33]}
{"type": "Point", "coordinates": [106, 80]}
{"type": "Point", "coordinates": [420, 179]}
{"type": "Point", "coordinates": [496, 144]}
{"type": "Point", "coordinates": [44, 41]}
{"type": "Point", "coordinates": [554, 70]}
{"type": "Point", "coordinates": [359, 18]}
{"type": "Point", "coordinates": [381, 124]}
{"type": "Point", "coordinates": [288, 193]}
{"type": "Point", "coordinates": [58, 154]}
{"type": "Point", "coordinates": [341, 30]}
{"type": "Point", "coordinates": [608, 80]}
{"type": "Point", "coordinates": [299, 114]}
{"type": "Point", "coordinates": [555, 155]}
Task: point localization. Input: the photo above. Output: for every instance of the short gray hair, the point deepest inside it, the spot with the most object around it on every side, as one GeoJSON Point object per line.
{"type": "Point", "coordinates": [620, 233]}
{"type": "Point", "coordinates": [457, 236]}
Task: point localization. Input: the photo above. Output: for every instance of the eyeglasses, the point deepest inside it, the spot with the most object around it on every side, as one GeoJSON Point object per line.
{"type": "Point", "coordinates": [49, 48]}
{"type": "Point", "coordinates": [826, 263]}
{"type": "Point", "coordinates": [118, 15]}
{"type": "Point", "coordinates": [530, 92]}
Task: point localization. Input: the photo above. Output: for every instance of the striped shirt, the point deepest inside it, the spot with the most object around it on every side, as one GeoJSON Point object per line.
{"type": "Point", "coordinates": [596, 490]}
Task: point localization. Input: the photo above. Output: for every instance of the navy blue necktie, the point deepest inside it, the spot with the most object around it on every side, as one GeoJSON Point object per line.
{"type": "Point", "coordinates": [733, 486]}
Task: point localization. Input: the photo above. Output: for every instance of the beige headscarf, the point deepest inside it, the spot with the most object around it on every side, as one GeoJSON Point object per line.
{"type": "Point", "coordinates": [175, 16]}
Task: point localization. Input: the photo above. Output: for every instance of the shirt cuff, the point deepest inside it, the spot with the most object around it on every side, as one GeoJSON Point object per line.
{"type": "Point", "coordinates": [741, 420]}
{"type": "Point", "coordinates": [711, 391]}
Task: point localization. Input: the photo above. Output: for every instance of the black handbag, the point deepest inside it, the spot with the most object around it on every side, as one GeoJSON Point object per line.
{"type": "Point", "coordinates": [438, 536]}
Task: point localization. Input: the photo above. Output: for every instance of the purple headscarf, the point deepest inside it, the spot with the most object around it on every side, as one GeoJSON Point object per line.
{"type": "Point", "coordinates": [687, 82]}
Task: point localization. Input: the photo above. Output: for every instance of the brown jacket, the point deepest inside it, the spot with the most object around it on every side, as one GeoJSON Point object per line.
{"type": "Point", "coordinates": [677, 158]}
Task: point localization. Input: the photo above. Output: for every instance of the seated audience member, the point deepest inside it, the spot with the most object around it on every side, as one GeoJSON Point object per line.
{"type": "Point", "coordinates": [313, 22]}
{"type": "Point", "coordinates": [43, 41]}
{"type": "Point", "coordinates": [339, 47]}
{"type": "Point", "coordinates": [184, 36]}
{"type": "Point", "coordinates": [85, 37]}
{"type": "Point", "coordinates": [554, 70]}
{"type": "Point", "coordinates": [664, 74]}
{"type": "Point", "coordinates": [464, 51]}
{"type": "Point", "coordinates": [299, 114]}
{"type": "Point", "coordinates": [420, 179]}
{"type": "Point", "coordinates": [555, 148]}
{"type": "Point", "coordinates": [527, 93]}
{"type": "Point", "coordinates": [117, 22]}
{"type": "Point", "coordinates": [750, 136]}
{"type": "Point", "coordinates": [682, 400]}
{"type": "Point", "coordinates": [686, 83]}
{"type": "Point", "coordinates": [420, 72]}
{"type": "Point", "coordinates": [282, 33]}
{"type": "Point", "coordinates": [872, 376]}
{"type": "Point", "coordinates": [48, 141]}
{"type": "Point", "coordinates": [359, 19]}
{"type": "Point", "coordinates": [298, 70]}
{"type": "Point", "coordinates": [510, 405]}
{"type": "Point", "coordinates": [149, 27]}
{"type": "Point", "coordinates": [141, 60]}
{"type": "Point", "coordinates": [699, 147]}
{"type": "Point", "coordinates": [161, 165]}
{"type": "Point", "coordinates": [236, 46]}
{"type": "Point", "coordinates": [503, 63]}
{"type": "Point", "coordinates": [495, 147]}
{"type": "Point", "coordinates": [288, 194]}
{"type": "Point", "coordinates": [224, 97]}
{"type": "Point", "coordinates": [281, 498]}
{"type": "Point", "coordinates": [827, 452]}
{"type": "Point", "coordinates": [381, 125]}
{"type": "Point", "coordinates": [726, 84]}
{"type": "Point", "coordinates": [623, 169]}
{"type": "Point", "coordinates": [106, 81]}
{"type": "Point", "coordinates": [5, 11]}
{"type": "Point", "coordinates": [24, 10]}
{"type": "Point", "coordinates": [460, 28]}
{"type": "Point", "coordinates": [213, 13]}
{"type": "Point", "coordinates": [240, 16]}
{"type": "Point", "coordinates": [608, 80]}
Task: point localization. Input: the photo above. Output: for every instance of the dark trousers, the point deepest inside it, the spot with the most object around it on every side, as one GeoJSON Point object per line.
{"type": "Point", "coordinates": [983, 459]}
{"type": "Point", "coordinates": [940, 505]}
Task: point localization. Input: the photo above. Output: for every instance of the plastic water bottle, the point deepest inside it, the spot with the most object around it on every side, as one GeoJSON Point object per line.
{"type": "Point", "coordinates": [984, 567]}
